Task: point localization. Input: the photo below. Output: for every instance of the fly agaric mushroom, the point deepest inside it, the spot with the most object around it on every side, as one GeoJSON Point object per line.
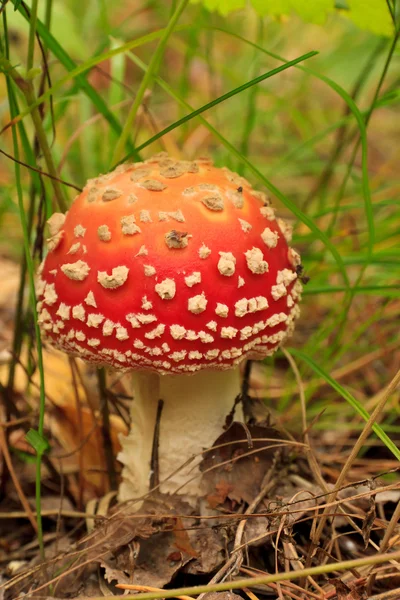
{"type": "Point", "coordinates": [177, 271]}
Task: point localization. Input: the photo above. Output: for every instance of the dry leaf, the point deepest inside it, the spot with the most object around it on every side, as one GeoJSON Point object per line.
{"type": "Point", "coordinates": [242, 474]}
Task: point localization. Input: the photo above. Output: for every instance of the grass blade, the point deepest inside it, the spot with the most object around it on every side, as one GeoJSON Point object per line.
{"type": "Point", "coordinates": [146, 81]}
{"type": "Point", "coordinates": [69, 64]}
{"type": "Point", "coordinates": [358, 407]}
{"type": "Point", "coordinates": [31, 279]}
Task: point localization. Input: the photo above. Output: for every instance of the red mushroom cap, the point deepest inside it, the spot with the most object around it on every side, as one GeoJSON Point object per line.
{"type": "Point", "coordinates": [168, 265]}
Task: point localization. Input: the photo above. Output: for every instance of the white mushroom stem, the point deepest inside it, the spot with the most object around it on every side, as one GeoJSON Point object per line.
{"type": "Point", "coordinates": [193, 416]}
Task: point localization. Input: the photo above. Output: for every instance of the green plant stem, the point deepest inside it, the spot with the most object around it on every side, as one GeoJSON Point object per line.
{"type": "Point", "coordinates": [355, 404]}
{"type": "Point", "coordinates": [251, 113]}
{"type": "Point", "coordinates": [32, 34]}
{"type": "Point", "coordinates": [252, 582]}
{"type": "Point", "coordinates": [351, 293]}
{"type": "Point", "coordinates": [45, 148]}
{"type": "Point", "coordinates": [146, 81]}
{"type": "Point", "coordinates": [81, 81]}
{"type": "Point", "coordinates": [26, 86]}
{"type": "Point", "coordinates": [31, 156]}
{"type": "Point", "coordinates": [30, 266]}
{"type": "Point", "coordinates": [31, 279]}
{"type": "Point", "coordinates": [357, 145]}
{"type": "Point", "coordinates": [342, 137]}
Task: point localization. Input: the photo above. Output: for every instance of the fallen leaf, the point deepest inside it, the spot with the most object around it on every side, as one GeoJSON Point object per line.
{"type": "Point", "coordinates": [240, 465]}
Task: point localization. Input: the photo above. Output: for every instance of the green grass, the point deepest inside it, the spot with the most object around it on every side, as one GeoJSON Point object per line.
{"type": "Point", "coordinates": [204, 72]}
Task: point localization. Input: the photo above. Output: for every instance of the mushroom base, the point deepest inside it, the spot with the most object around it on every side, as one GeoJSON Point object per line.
{"type": "Point", "coordinates": [193, 416]}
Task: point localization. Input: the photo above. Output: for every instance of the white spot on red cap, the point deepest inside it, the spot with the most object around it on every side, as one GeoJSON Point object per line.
{"type": "Point", "coordinates": [146, 304]}
{"type": "Point", "coordinates": [286, 276]}
{"type": "Point", "coordinates": [128, 225]}
{"type": "Point", "coordinates": [94, 342]}
{"type": "Point", "coordinates": [64, 311]}
{"type": "Point", "coordinates": [269, 237]}
{"type": "Point", "coordinates": [117, 278]}
{"type": "Point", "coordinates": [50, 295]}
{"type": "Point", "coordinates": [261, 196]}
{"type": "Point", "coordinates": [241, 282]}
{"type": "Point", "coordinates": [155, 333]}
{"type": "Point", "coordinates": [90, 300]}
{"type": "Point", "coordinates": [297, 290]}
{"type": "Point", "coordinates": [104, 233]}
{"type": "Point", "coordinates": [246, 332]}
{"type": "Point", "coordinates": [268, 212]}
{"type": "Point", "coordinates": [149, 270]}
{"type": "Point", "coordinates": [78, 312]}
{"type": "Point", "coordinates": [176, 239]}
{"type": "Point", "coordinates": [145, 319]}
{"type": "Point", "coordinates": [192, 279]}
{"type": "Point", "coordinates": [294, 257]}
{"type": "Point", "coordinates": [286, 229]}
{"type": "Point", "coordinates": [176, 215]}
{"type": "Point", "coordinates": [245, 225]}
{"type": "Point", "coordinates": [55, 223]}
{"type": "Point", "coordinates": [166, 289]}
{"type": "Point", "coordinates": [153, 185]}
{"type": "Point", "coordinates": [197, 304]}
{"type": "Point", "coordinates": [205, 337]}
{"type": "Point", "coordinates": [204, 251]}
{"type": "Point", "coordinates": [53, 242]}
{"type": "Point", "coordinates": [250, 305]}
{"type": "Point", "coordinates": [144, 216]}
{"type": "Point", "coordinates": [189, 191]}
{"type": "Point", "coordinates": [92, 195]}
{"type": "Point", "coordinates": [139, 173]}
{"type": "Point", "coordinates": [226, 264]}
{"type": "Point", "coordinates": [222, 310]}
{"type": "Point", "coordinates": [44, 316]}
{"type": "Point", "coordinates": [77, 271]}
{"type": "Point", "coordinates": [74, 248]}
{"type": "Point", "coordinates": [277, 291]}
{"type": "Point", "coordinates": [276, 319]}
{"type": "Point", "coordinates": [133, 320]}
{"type": "Point", "coordinates": [79, 231]}
{"type": "Point", "coordinates": [40, 284]}
{"type": "Point", "coordinates": [178, 356]}
{"type": "Point", "coordinates": [213, 201]}
{"type": "Point", "coordinates": [121, 333]}
{"type": "Point", "coordinates": [255, 261]}
{"type": "Point", "coordinates": [177, 332]}
{"type": "Point", "coordinates": [108, 327]}
{"type": "Point", "coordinates": [142, 251]}
{"type": "Point", "coordinates": [212, 325]}
{"type": "Point", "coordinates": [111, 194]}
{"type": "Point", "coordinates": [94, 319]}
{"type": "Point", "coordinates": [191, 335]}
{"type": "Point", "coordinates": [228, 332]}
{"type": "Point", "coordinates": [59, 325]}
{"type": "Point", "coordinates": [236, 198]}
